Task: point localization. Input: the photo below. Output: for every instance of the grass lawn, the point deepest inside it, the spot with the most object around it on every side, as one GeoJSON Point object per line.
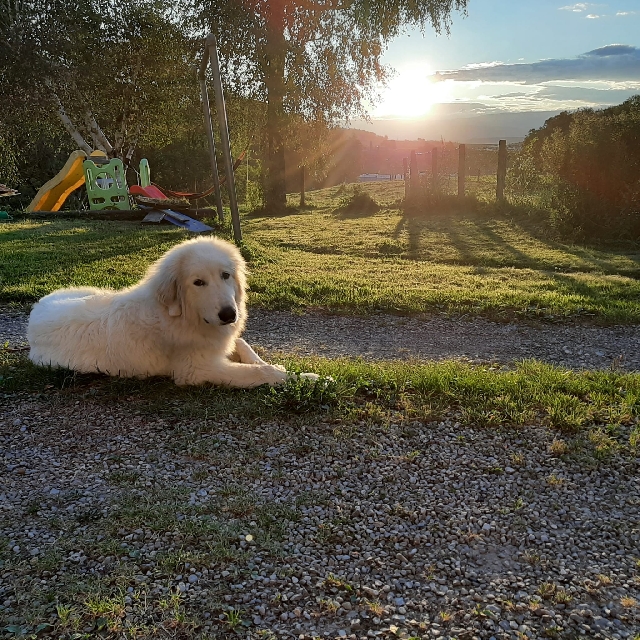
{"type": "Point", "coordinates": [322, 256]}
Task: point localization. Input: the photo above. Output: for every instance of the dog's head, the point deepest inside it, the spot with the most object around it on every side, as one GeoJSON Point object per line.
{"type": "Point", "coordinates": [203, 280]}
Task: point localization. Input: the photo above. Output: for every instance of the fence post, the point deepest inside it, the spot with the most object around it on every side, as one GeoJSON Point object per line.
{"type": "Point", "coordinates": [405, 171]}
{"type": "Point", "coordinates": [502, 169]}
{"type": "Point", "coordinates": [302, 171]}
{"type": "Point", "coordinates": [462, 165]}
{"type": "Point", "coordinates": [414, 186]}
{"type": "Point", "coordinates": [434, 169]}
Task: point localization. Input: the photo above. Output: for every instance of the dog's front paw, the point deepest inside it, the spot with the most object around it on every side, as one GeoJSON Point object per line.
{"type": "Point", "coordinates": [312, 377]}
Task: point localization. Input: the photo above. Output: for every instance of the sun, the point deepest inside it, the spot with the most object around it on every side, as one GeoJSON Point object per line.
{"type": "Point", "coordinates": [410, 94]}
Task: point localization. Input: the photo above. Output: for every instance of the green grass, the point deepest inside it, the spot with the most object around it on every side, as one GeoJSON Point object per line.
{"type": "Point", "coordinates": [473, 259]}
{"type": "Point", "coordinates": [602, 405]}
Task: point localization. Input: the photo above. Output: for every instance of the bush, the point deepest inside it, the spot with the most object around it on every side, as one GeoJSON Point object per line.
{"type": "Point", "coordinates": [590, 163]}
{"type": "Point", "coordinates": [360, 203]}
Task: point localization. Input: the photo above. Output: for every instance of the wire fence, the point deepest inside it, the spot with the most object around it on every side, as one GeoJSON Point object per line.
{"type": "Point", "coordinates": [480, 167]}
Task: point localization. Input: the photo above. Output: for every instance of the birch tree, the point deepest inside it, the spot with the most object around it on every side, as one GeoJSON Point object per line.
{"type": "Point", "coordinates": [318, 59]}
{"type": "Point", "coordinates": [109, 71]}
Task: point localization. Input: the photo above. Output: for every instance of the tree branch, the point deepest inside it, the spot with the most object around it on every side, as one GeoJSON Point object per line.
{"type": "Point", "coordinates": [100, 141]}
{"type": "Point", "coordinates": [66, 121]}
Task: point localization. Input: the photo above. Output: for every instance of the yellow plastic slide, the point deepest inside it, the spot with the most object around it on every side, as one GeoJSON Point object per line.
{"type": "Point", "coordinates": [52, 195]}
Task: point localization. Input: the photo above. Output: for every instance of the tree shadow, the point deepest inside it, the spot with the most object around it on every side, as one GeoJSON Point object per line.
{"type": "Point", "coordinates": [283, 212]}
{"type": "Point", "coordinates": [482, 245]}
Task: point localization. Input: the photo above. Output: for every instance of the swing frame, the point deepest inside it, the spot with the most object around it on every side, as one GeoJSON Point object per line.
{"type": "Point", "coordinates": [210, 57]}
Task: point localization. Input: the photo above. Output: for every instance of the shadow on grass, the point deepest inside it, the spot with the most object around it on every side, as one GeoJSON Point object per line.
{"type": "Point", "coordinates": [482, 245]}
{"type": "Point", "coordinates": [279, 212]}
{"type": "Point", "coordinates": [47, 257]}
{"type": "Point", "coordinates": [160, 395]}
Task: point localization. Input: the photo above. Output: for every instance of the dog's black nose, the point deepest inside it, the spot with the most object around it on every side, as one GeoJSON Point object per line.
{"type": "Point", "coordinates": [227, 315]}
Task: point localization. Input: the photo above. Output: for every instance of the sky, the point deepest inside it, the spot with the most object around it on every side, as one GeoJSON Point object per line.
{"type": "Point", "coordinates": [515, 56]}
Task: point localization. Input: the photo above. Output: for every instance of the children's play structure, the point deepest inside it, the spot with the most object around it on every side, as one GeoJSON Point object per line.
{"type": "Point", "coordinates": [105, 178]}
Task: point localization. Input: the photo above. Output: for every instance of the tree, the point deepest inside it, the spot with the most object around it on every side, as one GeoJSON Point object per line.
{"type": "Point", "coordinates": [317, 59]}
{"type": "Point", "coordinates": [109, 70]}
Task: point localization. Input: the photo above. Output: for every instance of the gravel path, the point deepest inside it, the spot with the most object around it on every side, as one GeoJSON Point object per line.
{"type": "Point", "coordinates": [389, 337]}
{"type": "Point", "coordinates": [306, 530]}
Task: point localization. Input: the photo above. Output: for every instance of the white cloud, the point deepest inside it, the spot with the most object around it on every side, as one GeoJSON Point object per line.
{"type": "Point", "coordinates": [627, 13]}
{"type": "Point", "coordinates": [593, 16]}
{"type": "Point", "coordinates": [613, 63]}
{"type": "Point", "coordinates": [580, 7]}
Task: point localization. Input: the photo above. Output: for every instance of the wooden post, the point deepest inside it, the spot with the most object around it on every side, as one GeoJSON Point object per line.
{"type": "Point", "coordinates": [212, 49]}
{"type": "Point", "coordinates": [414, 185]}
{"type": "Point", "coordinates": [502, 169]}
{"type": "Point", "coordinates": [462, 164]}
{"type": "Point", "coordinates": [302, 171]}
{"type": "Point", "coordinates": [434, 169]}
{"type": "Point", "coordinates": [405, 176]}
{"type": "Point", "coordinates": [212, 144]}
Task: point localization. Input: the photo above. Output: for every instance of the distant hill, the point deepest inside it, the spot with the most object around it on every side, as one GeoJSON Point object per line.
{"type": "Point", "coordinates": [459, 126]}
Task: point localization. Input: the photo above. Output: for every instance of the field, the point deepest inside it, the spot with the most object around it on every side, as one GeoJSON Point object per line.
{"type": "Point", "coordinates": [467, 262]}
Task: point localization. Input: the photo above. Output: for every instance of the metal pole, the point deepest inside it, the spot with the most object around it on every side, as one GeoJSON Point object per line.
{"type": "Point", "coordinates": [209, 127]}
{"type": "Point", "coordinates": [211, 47]}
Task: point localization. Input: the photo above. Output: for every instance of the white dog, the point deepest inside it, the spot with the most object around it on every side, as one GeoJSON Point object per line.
{"type": "Point", "coordinates": [183, 320]}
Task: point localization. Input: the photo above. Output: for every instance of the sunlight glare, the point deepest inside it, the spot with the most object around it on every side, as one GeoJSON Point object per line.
{"type": "Point", "coordinates": [411, 93]}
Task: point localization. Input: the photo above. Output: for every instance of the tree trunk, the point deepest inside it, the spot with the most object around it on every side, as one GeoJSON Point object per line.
{"type": "Point", "coordinates": [275, 192]}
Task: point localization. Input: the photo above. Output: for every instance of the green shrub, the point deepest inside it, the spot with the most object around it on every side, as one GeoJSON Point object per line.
{"type": "Point", "coordinates": [589, 162]}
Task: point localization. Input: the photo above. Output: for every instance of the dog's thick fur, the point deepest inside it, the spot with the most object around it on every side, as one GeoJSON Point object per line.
{"type": "Point", "coordinates": [184, 320]}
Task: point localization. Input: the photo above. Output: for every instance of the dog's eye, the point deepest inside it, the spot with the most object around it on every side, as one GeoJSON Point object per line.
{"type": "Point", "coordinates": [199, 283]}
{"type": "Point", "coordinates": [225, 275]}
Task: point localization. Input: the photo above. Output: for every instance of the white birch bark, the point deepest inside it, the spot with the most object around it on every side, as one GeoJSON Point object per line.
{"type": "Point", "coordinates": [100, 141]}
{"type": "Point", "coordinates": [68, 125]}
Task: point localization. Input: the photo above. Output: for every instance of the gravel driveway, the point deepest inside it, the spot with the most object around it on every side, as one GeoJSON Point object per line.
{"type": "Point", "coordinates": [387, 337]}
{"type": "Point", "coordinates": [393, 530]}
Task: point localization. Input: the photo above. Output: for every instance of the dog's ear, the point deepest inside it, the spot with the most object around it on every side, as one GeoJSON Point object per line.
{"type": "Point", "coordinates": [169, 287]}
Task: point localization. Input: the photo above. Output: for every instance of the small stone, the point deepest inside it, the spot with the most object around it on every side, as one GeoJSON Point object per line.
{"type": "Point", "coordinates": [600, 623]}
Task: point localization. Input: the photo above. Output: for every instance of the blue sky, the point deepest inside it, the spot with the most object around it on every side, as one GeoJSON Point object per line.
{"type": "Point", "coordinates": [518, 56]}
